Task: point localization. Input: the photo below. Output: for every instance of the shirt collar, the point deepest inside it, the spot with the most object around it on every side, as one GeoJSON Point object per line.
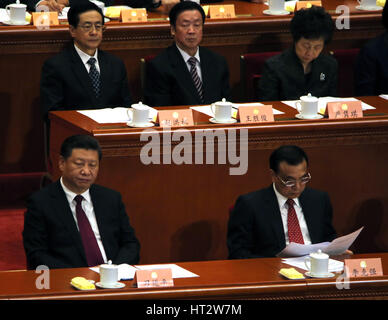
{"type": "Point", "coordinates": [70, 195]}
{"type": "Point", "coordinates": [186, 56]}
{"type": "Point", "coordinates": [282, 199]}
{"type": "Point", "coordinates": [85, 57]}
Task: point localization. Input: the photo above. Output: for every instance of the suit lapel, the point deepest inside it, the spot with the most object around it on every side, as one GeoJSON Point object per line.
{"type": "Point", "coordinates": [60, 207]}
{"type": "Point", "coordinates": [81, 73]}
{"type": "Point", "coordinates": [105, 72]}
{"type": "Point", "coordinates": [182, 73]}
{"type": "Point", "coordinates": [308, 213]}
{"type": "Point", "coordinates": [206, 70]}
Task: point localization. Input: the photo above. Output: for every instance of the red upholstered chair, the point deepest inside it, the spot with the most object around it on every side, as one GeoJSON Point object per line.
{"type": "Point", "coordinates": [346, 59]}
{"type": "Point", "coordinates": [251, 66]}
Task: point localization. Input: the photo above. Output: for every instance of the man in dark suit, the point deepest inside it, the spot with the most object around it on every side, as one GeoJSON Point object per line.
{"type": "Point", "coordinates": [75, 223]}
{"type": "Point", "coordinates": [82, 76]}
{"type": "Point", "coordinates": [264, 222]}
{"type": "Point", "coordinates": [184, 73]}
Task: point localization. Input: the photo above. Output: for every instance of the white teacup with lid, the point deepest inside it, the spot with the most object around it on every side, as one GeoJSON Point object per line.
{"type": "Point", "coordinates": [17, 13]}
{"type": "Point", "coordinates": [307, 106]}
{"type": "Point", "coordinates": [222, 111]}
{"type": "Point", "coordinates": [109, 274]}
{"type": "Point", "coordinates": [276, 5]}
{"type": "Point", "coordinates": [318, 264]}
{"type": "Point", "coordinates": [139, 116]}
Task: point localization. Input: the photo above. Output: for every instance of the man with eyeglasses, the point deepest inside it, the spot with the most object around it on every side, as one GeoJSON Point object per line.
{"type": "Point", "coordinates": [83, 76]}
{"type": "Point", "coordinates": [185, 73]}
{"type": "Point", "coordinates": [263, 222]}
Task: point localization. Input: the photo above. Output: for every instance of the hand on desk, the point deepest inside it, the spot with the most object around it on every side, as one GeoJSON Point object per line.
{"type": "Point", "coordinates": [53, 5]}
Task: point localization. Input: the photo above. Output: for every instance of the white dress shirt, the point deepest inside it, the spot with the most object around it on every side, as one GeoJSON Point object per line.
{"type": "Point", "coordinates": [299, 213]}
{"type": "Point", "coordinates": [85, 58]}
{"type": "Point", "coordinates": [186, 58]}
{"type": "Point", "coordinates": [87, 206]}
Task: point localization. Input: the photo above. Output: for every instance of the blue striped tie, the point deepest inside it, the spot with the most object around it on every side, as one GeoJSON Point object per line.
{"type": "Point", "coordinates": [197, 81]}
{"type": "Point", "coordinates": [94, 76]}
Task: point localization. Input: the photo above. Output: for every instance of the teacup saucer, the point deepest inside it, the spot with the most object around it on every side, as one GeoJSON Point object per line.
{"type": "Point", "coordinates": [369, 8]}
{"type": "Point", "coordinates": [316, 116]}
{"type": "Point", "coordinates": [328, 275]}
{"type": "Point", "coordinates": [10, 23]}
{"type": "Point", "coordinates": [276, 13]}
{"type": "Point", "coordinates": [231, 120]}
{"type": "Point", "coordinates": [140, 125]}
{"type": "Point", "coordinates": [117, 285]}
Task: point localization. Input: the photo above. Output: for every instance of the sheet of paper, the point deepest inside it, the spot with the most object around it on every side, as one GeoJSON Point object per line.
{"type": "Point", "coordinates": [177, 271]}
{"type": "Point", "coordinates": [384, 96]}
{"type": "Point", "coordinates": [297, 249]}
{"type": "Point", "coordinates": [341, 244]}
{"type": "Point", "coordinates": [115, 115]}
{"type": "Point", "coordinates": [126, 271]}
{"type": "Point", "coordinates": [322, 102]}
{"type": "Point", "coordinates": [334, 265]}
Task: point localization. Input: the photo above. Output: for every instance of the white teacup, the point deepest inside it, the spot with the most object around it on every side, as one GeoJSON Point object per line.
{"type": "Point", "coordinates": [367, 3]}
{"type": "Point", "coordinates": [109, 274]}
{"type": "Point", "coordinates": [17, 13]}
{"type": "Point", "coordinates": [140, 114]}
{"type": "Point", "coordinates": [318, 264]}
{"type": "Point", "coordinates": [99, 4]}
{"type": "Point", "coordinates": [276, 5]}
{"type": "Point", "coordinates": [222, 110]}
{"type": "Point", "coordinates": [307, 106]}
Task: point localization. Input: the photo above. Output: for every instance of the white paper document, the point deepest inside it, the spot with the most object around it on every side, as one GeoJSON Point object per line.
{"type": "Point", "coordinates": [336, 247]}
{"type": "Point", "coordinates": [126, 271]}
{"type": "Point", "coordinates": [322, 102]}
{"type": "Point", "coordinates": [384, 96]}
{"type": "Point", "coordinates": [115, 115]}
{"type": "Point", "coordinates": [177, 271]}
{"type": "Point", "coordinates": [334, 265]}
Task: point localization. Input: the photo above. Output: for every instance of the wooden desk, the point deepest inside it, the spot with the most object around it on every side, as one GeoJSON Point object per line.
{"type": "Point", "coordinates": [225, 279]}
{"type": "Point", "coordinates": [24, 49]}
{"type": "Point", "coordinates": [180, 212]}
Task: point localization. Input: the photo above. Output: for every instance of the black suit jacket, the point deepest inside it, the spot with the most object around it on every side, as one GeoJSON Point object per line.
{"type": "Point", "coordinates": [255, 227]}
{"type": "Point", "coordinates": [169, 82]}
{"type": "Point", "coordinates": [32, 3]}
{"type": "Point", "coordinates": [66, 85]}
{"type": "Point", "coordinates": [51, 237]}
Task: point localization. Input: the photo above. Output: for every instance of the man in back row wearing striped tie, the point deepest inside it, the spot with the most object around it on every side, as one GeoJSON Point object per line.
{"type": "Point", "coordinates": [83, 76]}
{"type": "Point", "coordinates": [263, 222]}
{"type": "Point", "coordinates": [184, 73]}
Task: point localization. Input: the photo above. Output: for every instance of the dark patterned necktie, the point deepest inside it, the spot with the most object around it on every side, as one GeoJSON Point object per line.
{"type": "Point", "coordinates": [294, 231]}
{"type": "Point", "coordinates": [194, 74]}
{"type": "Point", "coordinates": [92, 251]}
{"type": "Point", "coordinates": [94, 76]}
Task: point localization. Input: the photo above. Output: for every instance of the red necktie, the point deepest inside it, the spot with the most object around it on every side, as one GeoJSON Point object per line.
{"type": "Point", "coordinates": [294, 232]}
{"type": "Point", "coordinates": [92, 251]}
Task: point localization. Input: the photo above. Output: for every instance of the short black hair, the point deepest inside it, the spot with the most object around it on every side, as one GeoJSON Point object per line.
{"type": "Point", "coordinates": [80, 7]}
{"type": "Point", "coordinates": [80, 141]}
{"type": "Point", "coordinates": [293, 155]}
{"type": "Point", "coordinates": [312, 23]}
{"type": "Point", "coordinates": [385, 15]}
{"type": "Point", "coordinates": [184, 6]}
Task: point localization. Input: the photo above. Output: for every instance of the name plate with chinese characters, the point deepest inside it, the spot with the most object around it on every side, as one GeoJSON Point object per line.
{"type": "Point", "coordinates": [344, 109]}
{"type": "Point", "coordinates": [175, 118]}
{"type": "Point", "coordinates": [44, 19]}
{"type": "Point", "coordinates": [153, 278]}
{"type": "Point", "coordinates": [225, 11]}
{"type": "Point", "coordinates": [307, 4]}
{"type": "Point", "coordinates": [363, 267]}
{"type": "Point", "coordinates": [251, 114]}
{"type": "Point", "coordinates": [134, 15]}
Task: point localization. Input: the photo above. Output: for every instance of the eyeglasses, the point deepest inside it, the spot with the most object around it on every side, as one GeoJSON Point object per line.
{"type": "Point", "coordinates": [292, 183]}
{"type": "Point", "coordinates": [87, 27]}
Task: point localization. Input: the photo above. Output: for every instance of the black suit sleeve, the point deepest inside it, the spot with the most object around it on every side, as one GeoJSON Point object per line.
{"type": "Point", "coordinates": [365, 73]}
{"type": "Point", "coordinates": [148, 4]}
{"type": "Point", "coordinates": [269, 84]}
{"type": "Point", "coordinates": [241, 231]}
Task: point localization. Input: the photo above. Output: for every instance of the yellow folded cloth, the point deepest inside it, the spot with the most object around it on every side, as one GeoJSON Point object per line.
{"type": "Point", "coordinates": [380, 3]}
{"type": "Point", "coordinates": [291, 273]}
{"type": "Point", "coordinates": [114, 12]}
{"type": "Point", "coordinates": [28, 17]}
{"type": "Point", "coordinates": [290, 7]}
{"type": "Point", "coordinates": [82, 284]}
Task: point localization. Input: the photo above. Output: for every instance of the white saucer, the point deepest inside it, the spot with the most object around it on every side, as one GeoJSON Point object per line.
{"type": "Point", "coordinates": [369, 8]}
{"type": "Point", "coordinates": [328, 275]}
{"type": "Point", "coordinates": [117, 285]}
{"type": "Point", "coordinates": [141, 125]}
{"type": "Point", "coordinates": [317, 116]}
{"type": "Point", "coordinates": [231, 120]}
{"type": "Point", "coordinates": [276, 13]}
{"type": "Point", "coordinates": [10, 23]}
